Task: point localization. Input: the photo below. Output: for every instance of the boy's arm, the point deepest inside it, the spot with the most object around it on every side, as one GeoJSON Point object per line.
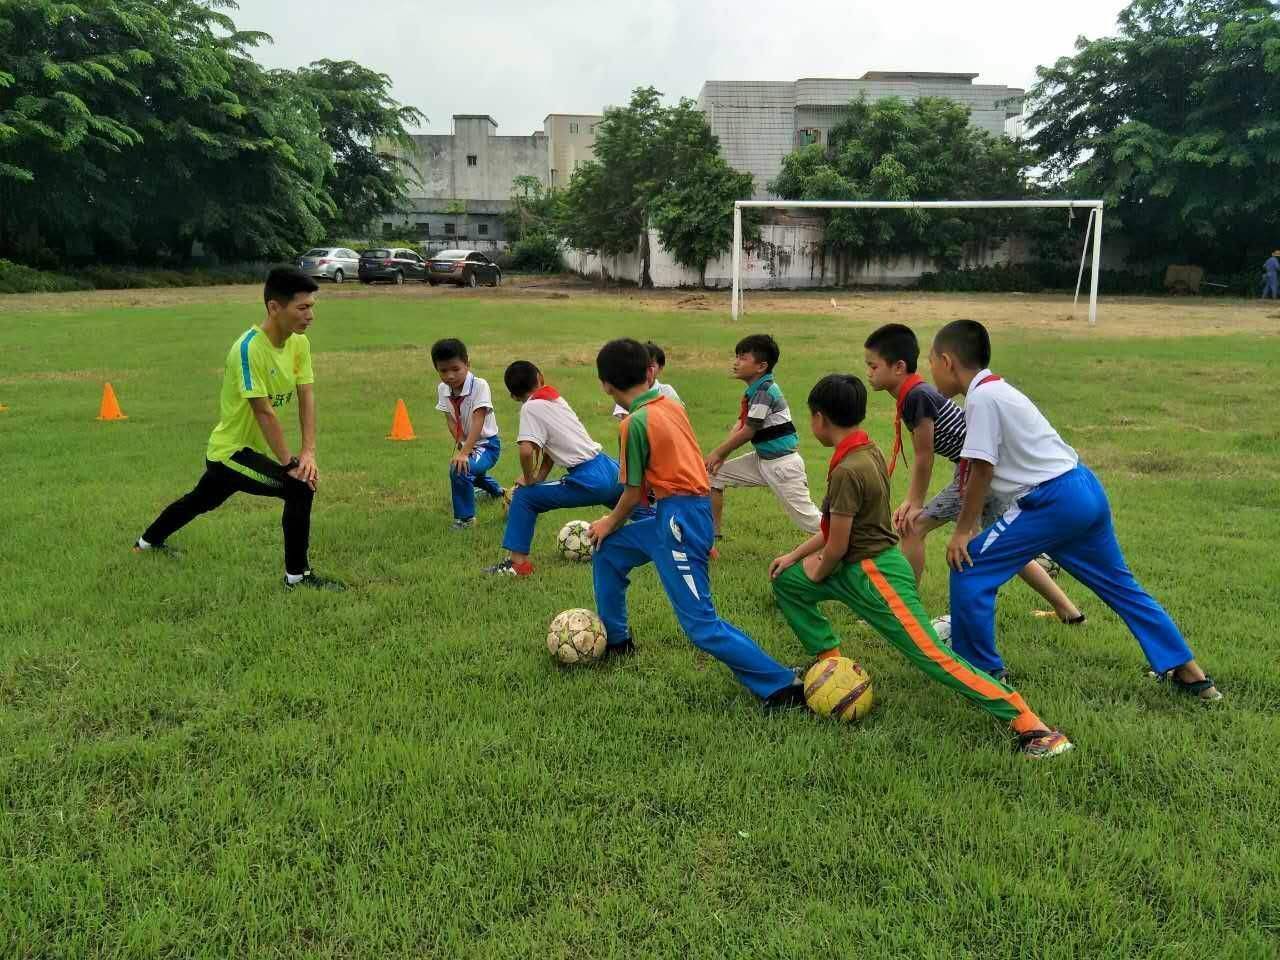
{"type": "Point", "coordinates": [531, 470]}
{"type": "Point", "coordinates": [976, 486]}
{"type": "Point", "coordinates": [461, 462]}
{"type": "Point", "coordinates": [272, 432]}
{"type": "Point", "coordinates": [739, 435]}
{"type": "Point", "coordinates": [307, 470]}
{"type": "Point", "coordinates": [921, 474]}
{"type": "Point", "coordinates": [806, 548]}
{"type": "Point", "coordinates": [820, 566]}
{"type": "Point", "coordinates": [630, 499]}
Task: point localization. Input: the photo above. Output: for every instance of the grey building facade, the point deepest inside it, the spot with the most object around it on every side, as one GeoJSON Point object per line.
{"type": "Point", "coordinates": [465, 182]}
{"type": "Point", "coordinates": [760, 122]}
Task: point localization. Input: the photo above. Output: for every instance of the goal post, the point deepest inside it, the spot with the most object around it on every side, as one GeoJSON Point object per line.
{"type": "Point", "coordinates": [1093, 206]}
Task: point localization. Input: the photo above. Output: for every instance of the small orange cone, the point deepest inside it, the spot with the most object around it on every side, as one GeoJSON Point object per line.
{"type": "Point", "coordinates": [110, 409]}
{"type": "Point", "coordinates": [401, 428]}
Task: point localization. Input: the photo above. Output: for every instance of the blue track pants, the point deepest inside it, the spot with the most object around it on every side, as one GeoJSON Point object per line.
{"type": "Point", "coordinates": [1069, 518]}
{"type": "Point", "coordinates": [592, 483]}
{"type": "Point", "coordinates": [677, 540]}
{"type": "Point", "coordinates": [464, 485]}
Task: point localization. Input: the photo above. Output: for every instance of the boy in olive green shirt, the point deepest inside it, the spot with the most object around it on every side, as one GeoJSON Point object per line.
{"type": "Point", "coordinates": [854, 558]}
{"type": "Point", "coordinates": [267, 369]}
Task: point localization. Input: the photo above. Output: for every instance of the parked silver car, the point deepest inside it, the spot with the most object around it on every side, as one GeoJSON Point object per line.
{"type": "Point", "coordinates": [330, 263]}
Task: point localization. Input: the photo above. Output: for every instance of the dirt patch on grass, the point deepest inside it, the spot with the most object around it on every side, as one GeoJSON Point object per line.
{"type": "Point", "coordinates": [1053, 313]}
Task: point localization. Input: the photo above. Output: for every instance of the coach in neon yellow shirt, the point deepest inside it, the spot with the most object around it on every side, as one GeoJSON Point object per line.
{"type": "Point", "coordinates": [268, 369]}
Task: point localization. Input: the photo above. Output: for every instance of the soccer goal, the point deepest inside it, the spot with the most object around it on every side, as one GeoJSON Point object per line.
{"type": "Point", "coordinates": [1093, 225]}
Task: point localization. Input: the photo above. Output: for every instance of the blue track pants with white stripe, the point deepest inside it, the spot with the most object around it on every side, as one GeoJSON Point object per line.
{"type": "Point", "coordinates": [677, 541]}
{"type": "Point", "coordinates": [463, 486]}
{"type": "Point", "coordinates": [591, 483]}
{"type": "Point", "coordinates": [1069, 518]}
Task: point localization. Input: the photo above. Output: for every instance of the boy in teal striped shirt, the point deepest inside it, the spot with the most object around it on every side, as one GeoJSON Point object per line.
{"type": "Point", "coordinates": [764, 421]}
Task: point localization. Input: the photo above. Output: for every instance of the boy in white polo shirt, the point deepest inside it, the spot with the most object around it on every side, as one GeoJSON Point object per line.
{"type": "Point", "coordinates": [551, 435]}
{"type": "Point", "coordinates": [467, 405]}
{"type": "Point", "coordinates": [1057, 507]}
{"type": "Point", "coordinates": [657, 364]}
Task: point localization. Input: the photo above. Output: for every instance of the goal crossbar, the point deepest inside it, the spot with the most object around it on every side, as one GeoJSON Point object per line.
{"type": "Point", "coordinates": [1093, 205]}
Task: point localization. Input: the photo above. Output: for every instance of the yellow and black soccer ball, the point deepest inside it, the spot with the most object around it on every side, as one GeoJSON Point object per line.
{"type": "Point", "coordinates": [838, 687]}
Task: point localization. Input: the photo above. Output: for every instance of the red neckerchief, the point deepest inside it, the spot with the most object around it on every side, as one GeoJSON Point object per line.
{"type": "Point", "coordinates": [962, 468]}
{"type": "Point", "coordinates": [846, 446]}
{"type": "Point", "coordinates": [742, 413]}
{"type": "Point", "coordinates": [545, 392]}
{"type": "Point", "coordinates": [909, 384]}
{"type": "Point", "coordinates": [457, 416]}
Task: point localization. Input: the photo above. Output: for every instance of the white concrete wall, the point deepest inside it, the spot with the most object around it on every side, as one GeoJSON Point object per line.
{"type": "Point", "coordinates": [786, 257]}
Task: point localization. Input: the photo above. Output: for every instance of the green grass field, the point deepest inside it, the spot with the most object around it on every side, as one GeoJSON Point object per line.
{"type": "Point", "coordinates": [195, 763]}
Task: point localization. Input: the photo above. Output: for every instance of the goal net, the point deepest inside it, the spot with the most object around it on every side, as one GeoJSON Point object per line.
{"type": "Point", "coordinates": [1093, 227]}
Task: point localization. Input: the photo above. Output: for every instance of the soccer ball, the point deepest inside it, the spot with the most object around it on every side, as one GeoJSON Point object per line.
{"type": "Point", "coordinates": [576, 636]}
{"type": "Point", "coordinates": [838, 687]}
{"type": "Point", "coordinates": [573, 541]}
{"type": "Point", "coordinates": [1051, 566]}
{"type": "Point", "coordinates": [942, 627]}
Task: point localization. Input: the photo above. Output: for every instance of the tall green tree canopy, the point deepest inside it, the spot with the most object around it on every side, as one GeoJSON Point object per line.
{"type": "Point", "coordinates": [129, 129]}
{"type": "Point", "coordinates": [658, 166]}
{"type": "Point", "coordinates": [893, 150]}
{"type": "Point", "coordinates": [362, 124]}
{"type": "Point", "coordinates": [1175, 122]}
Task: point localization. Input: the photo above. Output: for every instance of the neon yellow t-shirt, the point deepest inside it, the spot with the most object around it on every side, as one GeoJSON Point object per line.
{"type": "Point", "coordinates": [255, 368]}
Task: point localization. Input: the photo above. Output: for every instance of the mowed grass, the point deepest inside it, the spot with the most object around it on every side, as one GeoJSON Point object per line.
{"type": "Point", "coordinates": [195, 763]}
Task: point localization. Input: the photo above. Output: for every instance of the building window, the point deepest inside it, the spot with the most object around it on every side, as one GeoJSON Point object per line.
{"type": "Point", "coordinates": [387, 229]}
{"type": "Point", "coordinates": [471, 159]}
{"type": "Point", "coordinates": [484, 229]}
{"type": "Point", "coordinates": [808, 135]}
{"type": "Point", "coordinates": [424, 228]}
{"type": "Point", "coordinates": [448, 229]}
{"type": "Point", "coordinates": [573, 128]}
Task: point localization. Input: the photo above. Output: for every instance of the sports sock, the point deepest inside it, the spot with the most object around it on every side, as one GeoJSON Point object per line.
{"type": "Point", "coordinates": [142, 544]}
{"type": "Point", "coordinates": [829, 654]}
{"type": "Point", "coordinates": [292, 578]}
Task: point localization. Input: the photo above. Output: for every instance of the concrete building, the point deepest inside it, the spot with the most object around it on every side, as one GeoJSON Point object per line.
{"type": "Point", "coordinates": [570, 139]}
{"type": "Point", "coordinates": [466, 182]}
{"type": "Point", "coordinates": [760, 122]}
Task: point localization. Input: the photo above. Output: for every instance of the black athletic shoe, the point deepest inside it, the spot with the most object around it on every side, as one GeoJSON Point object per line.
{"type": "Point", "coordinates": [316, 582]}
{"type": "Point", "coordinates": [789, 697]}
{"type": "Point", "coordinates": [615, 650]}
{"type": "Point", "coordinates": [159, 549]}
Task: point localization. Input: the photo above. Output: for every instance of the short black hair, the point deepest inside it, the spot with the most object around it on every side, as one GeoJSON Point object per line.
{"type": "Point", "coordinates": [623, 364]}
{"type": "Point", "coordinates": [761, 346]}
{"type": "Point", "coordinates": [442, 351]}
{"type": "Point", "coordinates": [967, 341]}
{"type": "Point", "coordinates": [841, 398]}
{"type": "Point", "coordinates": [521, 378]}
{"type": "Point", "coordinates": [656, 354]}
{"type": "Point", "coordinates": [894, 342]}
{"type": "Point", "coordinates": [285, 283]}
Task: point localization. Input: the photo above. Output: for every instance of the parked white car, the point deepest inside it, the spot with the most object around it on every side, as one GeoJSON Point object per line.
{"type": "Point", "coordinates": [330, 263]}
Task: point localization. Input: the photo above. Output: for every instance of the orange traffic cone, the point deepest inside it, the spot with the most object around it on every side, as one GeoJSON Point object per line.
{"type": "Point", "coordinates": [401, 428]}
{"type": "Point", "coordinates": [110, 409]}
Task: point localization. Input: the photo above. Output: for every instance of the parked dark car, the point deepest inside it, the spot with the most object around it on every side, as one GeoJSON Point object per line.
{"type": "Point", "coordinates": [394, 264]}
{"type": "Point", "coordinates": [466, 268]}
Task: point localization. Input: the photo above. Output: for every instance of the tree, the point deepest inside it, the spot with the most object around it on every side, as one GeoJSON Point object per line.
{"type": "Point", "coordinates": [534, 209]}
{"type": "Point", "coordinates": [1174, 123]}
{"type": "Point", "coordinates": [892, 150]}
{"type": "Point", "coordinates": [656, 166]}
{"type": "Point", "coordinates": [362, 125]}
{"type": "Point", "coordinates": [129, 129]}
{"type": "Point", "coordinates": [606, 207]}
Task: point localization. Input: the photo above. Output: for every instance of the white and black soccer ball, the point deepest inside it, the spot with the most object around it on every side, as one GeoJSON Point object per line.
{"type": "Point", "coordinates": [576, 636]}
{"type": "Point", "coordinates": [573, 542]}
{"type": "Point", "coordinates": [1050, 565]}
{"type": "Point", "coordinates": [942, 627]}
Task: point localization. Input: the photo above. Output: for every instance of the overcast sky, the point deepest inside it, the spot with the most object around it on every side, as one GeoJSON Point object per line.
{"type": "Point", "coordinates": [519, 60]}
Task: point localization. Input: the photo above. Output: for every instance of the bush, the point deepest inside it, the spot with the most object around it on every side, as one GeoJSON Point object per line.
{"type": "Point", "coordinates": [537, 254]}
{"type": "Point", "coordinates": [15, 278]}
{"type": "Point", "coordinates": [1039, 276]}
